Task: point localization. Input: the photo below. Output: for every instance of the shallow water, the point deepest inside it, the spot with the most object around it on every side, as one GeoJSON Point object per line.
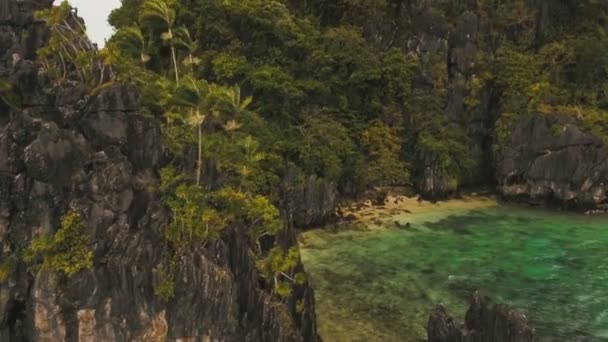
{"type": "Point", "coordinates": [380, 285]}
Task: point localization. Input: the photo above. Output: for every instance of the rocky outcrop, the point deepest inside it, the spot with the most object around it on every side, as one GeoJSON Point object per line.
{"type": "Point", "coordinates": [311, 202]}
{"type": "Point", "coordinates": [553, 159]}
{"type": "Point", "coordinates": [61, 150]}
{"type": "Point", "coordinates": [482, 324]}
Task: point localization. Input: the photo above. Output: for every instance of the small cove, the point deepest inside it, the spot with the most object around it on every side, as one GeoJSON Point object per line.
{"type": "Point", "coordinates": [380, 284]}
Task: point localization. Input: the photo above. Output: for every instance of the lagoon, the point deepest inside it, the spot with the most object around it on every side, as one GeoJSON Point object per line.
{"type": "Point", "coordinates": [380, 283]}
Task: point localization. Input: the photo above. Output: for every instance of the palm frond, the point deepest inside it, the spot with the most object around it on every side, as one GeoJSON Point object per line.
{"type": "Point", "coordinates": [158, 9]}
{"type": "Point", "coordinates": [245, 104]}
{"type": "Point", "coordinates": [191, 93]}
{"type": "Point", "coordinates": [184, 39]}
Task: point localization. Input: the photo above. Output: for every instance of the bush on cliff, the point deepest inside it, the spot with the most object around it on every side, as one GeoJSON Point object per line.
{"type": "Point", "coordinates": [66, 252]}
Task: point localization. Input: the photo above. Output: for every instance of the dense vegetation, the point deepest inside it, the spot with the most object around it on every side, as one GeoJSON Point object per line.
{"type": "Point", "coordinates": [359, 92]}
{"type": "Point", "coordinates": [348, 91]}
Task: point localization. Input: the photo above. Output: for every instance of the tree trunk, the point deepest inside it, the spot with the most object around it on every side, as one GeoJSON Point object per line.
{"type": "Point", "coordinates": [200, 149]}
{"type": "Point", "coordinates": [174, 58]}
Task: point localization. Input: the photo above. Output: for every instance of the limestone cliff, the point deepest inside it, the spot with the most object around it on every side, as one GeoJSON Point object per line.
{"type": "Point", "coordinates": [62, 149]}
{"type": "Point", "coordinates": [553, 159]}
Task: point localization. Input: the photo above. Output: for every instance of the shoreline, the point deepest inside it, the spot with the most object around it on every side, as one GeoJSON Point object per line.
{"type": "Point", "coordinates": [400, 207]}
{"type": "Point", "coordinates": [383, 203]}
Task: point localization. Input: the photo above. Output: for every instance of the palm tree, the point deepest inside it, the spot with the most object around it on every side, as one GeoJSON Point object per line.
{"type": "Point", "coordinates": [198, 96]}
{"type": "Point", "coordinates": [236, 105]}
{"type": "Point", "coordinates": [184, 39]}
{"type": "Point", "coordinates": [162, 10]}
{"type": "Point", "coordinates": [132, 35]}
{"type": "Point", "coordinates": [252, 156]}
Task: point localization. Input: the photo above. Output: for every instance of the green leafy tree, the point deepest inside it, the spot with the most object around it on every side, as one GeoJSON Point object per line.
{"type": "Point", "coordinates": [326, 148]}
{"type": "Point", "coordinates": [254, 212]}
{"type": "Point", "coordinates": [280, 267]}
{"type": "Point", "coordinates": [193, 220]}
{"type": "Point", "coordinates": [382, 150]}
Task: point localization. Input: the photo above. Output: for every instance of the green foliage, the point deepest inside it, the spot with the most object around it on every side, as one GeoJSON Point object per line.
{"type": "Point", "coordinates": [243, 162]}
{"type": "Point", "coordinates": [69, 53]}
{"type": "Point", "coordinates": [227, 66]}
{"type": "Point", "coordinates": [197, 95]}
{"type": "Point", "coordinates": [191, 221]}
{"type": "Point", "coordinates": [309, 64]}
{"type": "Point", "coordinates": [326, 148]}
{"type": "Point", "coordinates": [292, 68]}
{"type": "Point", "coordinates": [130, 40]}
{"type": "Point", "coordinates": [382, 149]}
{"type": "Point", "coordinates": [202, 217]}
{"type": "Point", "coordinates": [256, 213]}
{"type": "Point", "coordinates": [324, 89]}
{"type": "Point", "coordinates": [519, 80]}
{"type": "Point", "coordinates": [448, 145]}
{"type": "Point", "coordinates": [165, 286]}
{"type": "Point", "coordinates": [163, 10]}
{"type": "Point", "coordinates": [280, 266]}
{"type": "Point", "coordinates": [592, 119]}
{"type": "Point", "coordinates": [67, 252]}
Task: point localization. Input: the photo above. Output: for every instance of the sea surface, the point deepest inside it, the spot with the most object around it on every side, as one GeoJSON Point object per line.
{"type": "Point", "coordinates": [381, 284]}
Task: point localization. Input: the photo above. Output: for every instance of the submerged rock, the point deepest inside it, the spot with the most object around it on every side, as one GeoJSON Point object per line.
{"type": "Point", "coordinates": [442, 327]}
{"type": "Point", "coordinates": [483, 323]}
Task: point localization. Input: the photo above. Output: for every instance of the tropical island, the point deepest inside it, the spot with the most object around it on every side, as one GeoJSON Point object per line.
{"type": "Point", "coordinates": [281, 170]}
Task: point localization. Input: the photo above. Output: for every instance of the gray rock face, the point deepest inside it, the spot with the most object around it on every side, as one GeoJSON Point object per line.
{"type": "Point", "coordinates": [553, 159]}
{"type": "Point", "coordinates": [315, 202]}
{"type": "Point", "coordinates": [310, 202]}
{"type": "Point", "coordinates": [55, 154]}
{"type": "Point", "coordinates": [456, 44]}
{"type": "Point", "coordinates": [483, 323]}
{"type": "Point", "coordinates": [63, 150]}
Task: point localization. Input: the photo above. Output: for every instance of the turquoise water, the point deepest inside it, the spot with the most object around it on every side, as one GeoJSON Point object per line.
{"type": "Point", "coordinates": [380, 285]}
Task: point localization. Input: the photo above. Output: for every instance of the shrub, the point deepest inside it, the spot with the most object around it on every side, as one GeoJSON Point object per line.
{"type": "Point", "coordinates": [67, 252]}
{"type": "Point", "coordinates": [279, 267]}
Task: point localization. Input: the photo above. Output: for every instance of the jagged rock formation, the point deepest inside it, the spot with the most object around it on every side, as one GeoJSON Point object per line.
{"type": "Point", "coordinates": [553, 159]}
{"type": "Point", "coordinates": [62, 149]}
{"type": "Point", "coordinates": [482, 324]}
